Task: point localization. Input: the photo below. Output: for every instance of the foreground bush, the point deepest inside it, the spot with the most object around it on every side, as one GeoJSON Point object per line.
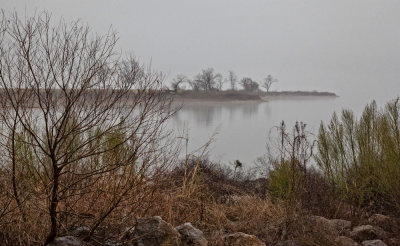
{"type": "Point", "coordinates": [361, 157]}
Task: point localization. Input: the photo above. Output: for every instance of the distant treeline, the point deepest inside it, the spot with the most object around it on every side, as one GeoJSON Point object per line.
{"type": "Point", "coordinates": [209, 80]}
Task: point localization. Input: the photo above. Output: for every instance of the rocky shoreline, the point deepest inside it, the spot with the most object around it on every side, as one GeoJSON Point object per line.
{"type": "Point", "coordinates": [381, 231]}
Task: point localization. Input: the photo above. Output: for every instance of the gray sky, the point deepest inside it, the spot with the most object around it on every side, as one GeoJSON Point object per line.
{"type": "Point", "coordinates": [345, 46]}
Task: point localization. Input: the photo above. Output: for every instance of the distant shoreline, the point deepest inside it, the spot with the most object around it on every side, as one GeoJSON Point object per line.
{"type": "Point", "coordinates": [246, 96]}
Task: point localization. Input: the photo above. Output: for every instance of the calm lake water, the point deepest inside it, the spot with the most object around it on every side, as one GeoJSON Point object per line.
{"type": "Point", "coordinates": [242, 128]}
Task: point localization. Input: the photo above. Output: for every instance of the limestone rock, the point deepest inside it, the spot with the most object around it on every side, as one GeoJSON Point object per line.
{"type": "Point", "coordinates": [367, 232]}
{"type": "Point", "coordinates": [345, 241]}
{"type": "Point", "coordinates": [341, 226]}
{"type": "Point", "coordinates": [191, 235]}
{"type": "Point", "coordinates": [290, 243]}
{"type": "Point", "coordinates": [335, 226]}
{"type": "Point", "coordinates": [111, 243]}
{"type": "Point", "coordinates": [373, 243]}
{"type": "Point", "coordinates": [242, 239]}
{"type": "Point", "coordinates": [80, 232]}
{"type": "Point", "coordinates": [66, 241]}
{"type": "Point", "coordinates": [322, 223]}
{"type": "Point", "coordinates": [383, 221]}
{"type": "Point", "coordinates": [154, 231]}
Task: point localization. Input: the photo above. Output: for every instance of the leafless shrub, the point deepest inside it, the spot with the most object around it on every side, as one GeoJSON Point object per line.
{"type": "Point", "coordinates": [208, 80]}
{"type": "Point", "coordinates": [268, 81]}
{"type": "Point", "coordinates": [232, 78]}
{"type": "Point", "coordinates": [249, 84]}
{"type": "Point", "coordinates": [177, 81]}
{"type": "Point", "coordinates": [82, 129]}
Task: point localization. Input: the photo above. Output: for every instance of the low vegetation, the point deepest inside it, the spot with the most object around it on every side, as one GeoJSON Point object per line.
{"type": "Point", "coordinates": [361, 157]}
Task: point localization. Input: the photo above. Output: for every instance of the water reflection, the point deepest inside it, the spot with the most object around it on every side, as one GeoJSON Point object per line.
{"type": "Point", "coordinates": [206, 113]}
{"type": "Point", "coordinates": [243, 127]}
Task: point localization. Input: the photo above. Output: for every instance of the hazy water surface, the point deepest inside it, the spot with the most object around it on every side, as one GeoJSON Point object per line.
{"type": "Point", "coordinates": [243, 128]}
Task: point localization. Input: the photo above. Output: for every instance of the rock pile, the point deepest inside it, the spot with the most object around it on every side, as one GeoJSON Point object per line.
{"type": "Point", "coordinates": [381, 231]}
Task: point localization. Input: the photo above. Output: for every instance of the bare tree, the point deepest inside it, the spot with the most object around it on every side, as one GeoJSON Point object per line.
{"type": "Point", "coordinates": [82, 130]}
{"type": "Point", "coordinates": [193, 85]}
{"type": "Point", "coordinates": [249, 84]}
{"type": "Point", "coordinates": [268, 81]}
{"type": "Point", "coordinates": [220, 82]}
{"type": "Point", "coordinates": [180, 79]}
{"type": "Point", "coordinates": [232, 78]}
{"type": "Point", "coordinates": [208, 80]}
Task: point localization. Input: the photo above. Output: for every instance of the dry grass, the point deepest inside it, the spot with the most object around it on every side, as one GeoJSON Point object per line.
{"type": "Point", "coordinates": [215, 201]}
{"type": "Point", "coordinates": [219, 204]}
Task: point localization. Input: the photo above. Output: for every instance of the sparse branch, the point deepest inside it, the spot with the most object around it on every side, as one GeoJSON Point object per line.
{"type": "Point", "coordinates": [268, 81]}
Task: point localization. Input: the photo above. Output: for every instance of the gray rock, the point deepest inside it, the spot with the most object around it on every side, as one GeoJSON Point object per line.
{"type": "Point", "coordinates": [335, 226]}
{"type": "Point", "coordinates": [367, 232]}
{"type": "Point", "coordinates": [322, 223]}
{"type": "Point", "coordinates": [290, 243]}
{"type": "Point", "coordinates": [373, 243]}
{"type": "Point", "coordinates": [341, 226]}
{"type": "Point", "coordinates": [111, 243]}
{"type": "Point", "coordinates": [345, 241]}
{"type": "Point", "coordinates": [383, 221]}
{"type": "Point", "coordinates": [80, 232]}
{"type": "Point", "coordinates": [154, 231]}
{"type": "Point", "coordinates": [191, 235]}
{"type": "Point", "coordinates": [66, 241]}
{"type": "Point", "coordinates": [242, 239]}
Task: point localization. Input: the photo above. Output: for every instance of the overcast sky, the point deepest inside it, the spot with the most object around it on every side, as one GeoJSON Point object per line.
{"type": "Point", "coordinates": [346, 46]}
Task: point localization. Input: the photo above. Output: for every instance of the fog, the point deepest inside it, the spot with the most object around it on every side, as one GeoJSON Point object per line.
{"type": "Point", "coordinates": [348, 47]}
